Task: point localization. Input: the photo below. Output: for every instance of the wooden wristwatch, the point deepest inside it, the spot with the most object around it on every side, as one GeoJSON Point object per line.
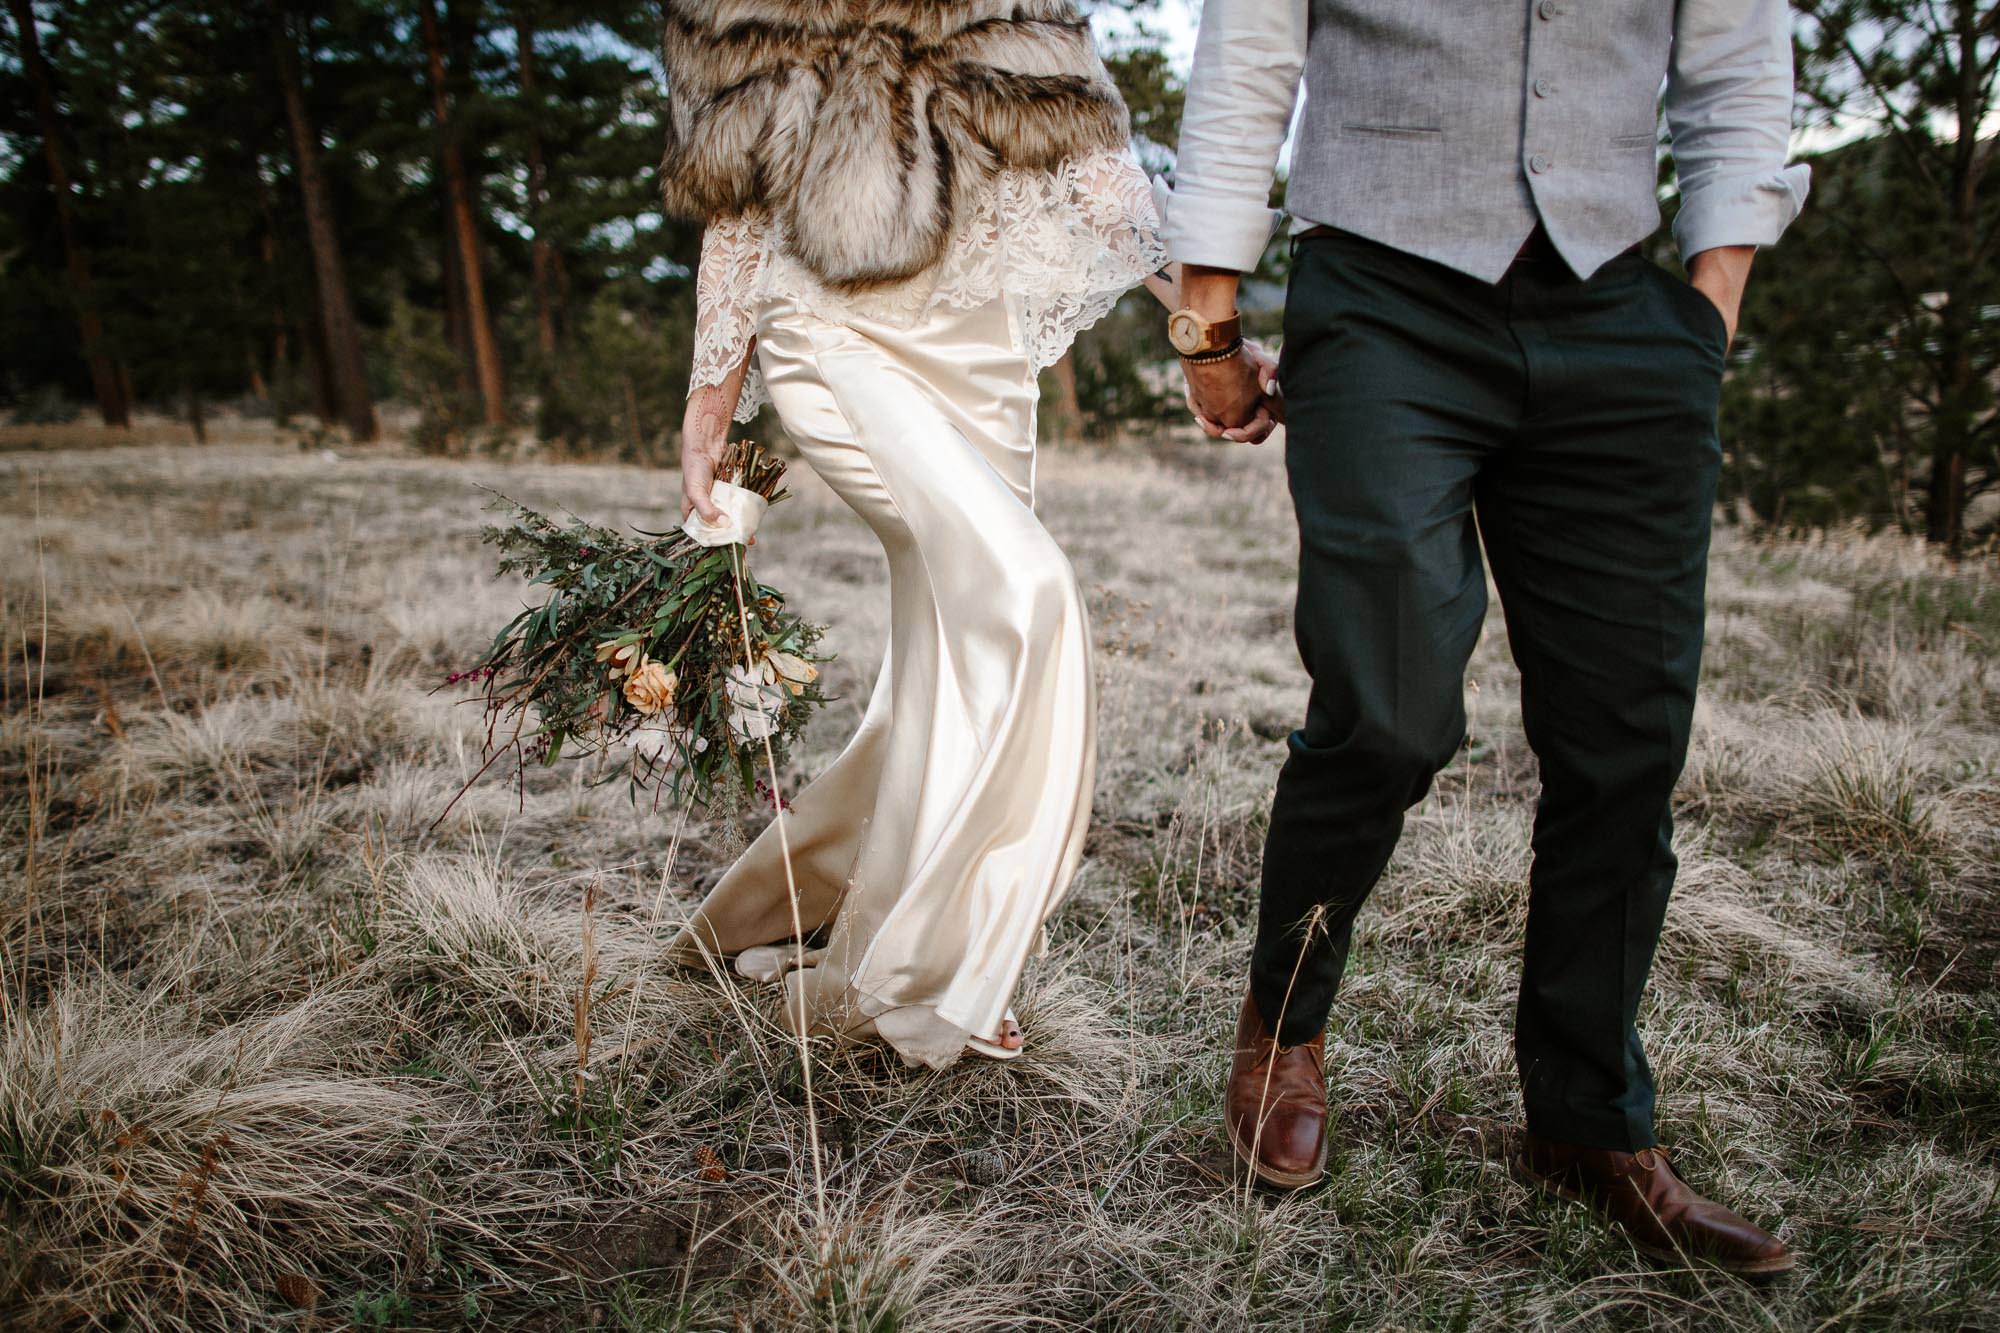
{"type": "Point", "coordinates": [1199, 339]}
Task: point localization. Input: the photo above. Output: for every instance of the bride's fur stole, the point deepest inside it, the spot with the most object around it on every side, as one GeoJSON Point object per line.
{"type": "Point", "coordinates": [863, 125]}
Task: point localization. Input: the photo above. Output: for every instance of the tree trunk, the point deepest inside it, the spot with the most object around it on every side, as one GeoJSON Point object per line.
{"type": "Point", "coordinates": [638, 435]}
{"type": "Point", "coordinates": [559, 278]}
{"type": "Point", "coordinates": [1069, 411]}
{"type": "Point", "coordinates": [253, 371]}
{"type": "Point", "coordinates": [1951, 428]}
{"type": "Point", "coordinates": [114, 400]}
{"type": "Point", "coordinates": [465, 231]}
{"type": "Point", "coordinates": [278, 350]}
{"type": "Point", "coordinates": [1958, 376]}
{"type": "Point", "coordinates": [197, 416]}
{"type": "Point", "coordinates": [542, 256]}
{"type": "Point", "coordinates": [454, 303]}
{"type": "Point", "coordinates": [326, 402]}
{"type": "Point", "coordinates": [345, 363]}
{"type": "Point", "coordinates": [1944, 502]}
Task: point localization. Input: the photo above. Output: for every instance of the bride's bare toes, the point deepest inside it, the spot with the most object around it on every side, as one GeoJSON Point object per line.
{"type": "Point", "coordinates": [1010, 1038]}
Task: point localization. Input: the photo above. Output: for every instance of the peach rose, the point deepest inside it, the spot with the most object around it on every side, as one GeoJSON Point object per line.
{"type": "Point", "coordinates": [650, 689]}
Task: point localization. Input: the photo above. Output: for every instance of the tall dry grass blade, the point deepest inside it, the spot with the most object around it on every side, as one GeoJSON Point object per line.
{"type": "Point", "coordinates": [583, 994]}
{"type": "Point", "coordinates": [1314, 922]}
{"type": "Point", "coordinates": [792, 898]}
{"type": "Point", "coordinates": [667, 868]}
{"type": "Point", "coordinates": [145, 650]}
{"type": "Point", "coordinates": [38, 760]}
{"type": "Point", "coordinates": [652, 925]}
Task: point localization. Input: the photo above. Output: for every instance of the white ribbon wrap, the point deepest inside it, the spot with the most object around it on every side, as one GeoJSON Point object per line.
{"type": "Point", "coordinates": [741, 510]}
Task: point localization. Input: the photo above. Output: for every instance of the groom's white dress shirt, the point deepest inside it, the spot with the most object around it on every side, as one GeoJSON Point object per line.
{"type": "Point", "coordinates": [1449, 128]}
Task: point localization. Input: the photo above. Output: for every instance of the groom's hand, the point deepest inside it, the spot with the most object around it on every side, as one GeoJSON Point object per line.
{"type": "Point", "coordinates": [1235, 398]}
{"type": "Point", "coordinates": [1721, 274]}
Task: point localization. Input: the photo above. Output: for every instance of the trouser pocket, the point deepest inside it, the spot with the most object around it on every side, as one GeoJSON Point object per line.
{"type": "Point", "coordinates": [1703, 317]}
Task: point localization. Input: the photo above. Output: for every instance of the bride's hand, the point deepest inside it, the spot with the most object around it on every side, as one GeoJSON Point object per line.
{"type": "Point", "coordinates": [1266, 366]}
{"type": "Point", "coordinates": [704, 436]}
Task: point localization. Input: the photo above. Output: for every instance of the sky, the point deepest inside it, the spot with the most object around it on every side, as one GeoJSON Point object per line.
{"type": "Point", "coordinates": [1172, 20]}
{"type": "Point", "coordinates": [1171, 24]}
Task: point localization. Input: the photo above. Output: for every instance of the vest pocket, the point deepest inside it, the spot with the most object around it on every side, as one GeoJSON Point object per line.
{"type": "Point", "coordinates": [1393, 131]}
{"type": "Point", "coordinates": [1381, 77]}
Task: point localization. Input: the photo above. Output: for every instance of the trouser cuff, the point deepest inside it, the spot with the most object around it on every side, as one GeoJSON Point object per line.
{"type": "Point", "coordinates": [1293, 1017]}
{"type": "Point", "coordinates": [1610, 1131]}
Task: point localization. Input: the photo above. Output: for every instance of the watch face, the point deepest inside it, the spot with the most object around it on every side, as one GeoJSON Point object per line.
{"type": "Point", "coordinates": [1186, 331]}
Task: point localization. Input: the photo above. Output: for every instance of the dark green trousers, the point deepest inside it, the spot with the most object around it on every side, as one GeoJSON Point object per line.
{"type": "Point", "coordinates": [1567, 426]}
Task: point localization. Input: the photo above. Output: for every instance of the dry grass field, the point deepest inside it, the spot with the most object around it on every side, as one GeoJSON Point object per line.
{"type": "Point", "coordinates": [282, 1049]}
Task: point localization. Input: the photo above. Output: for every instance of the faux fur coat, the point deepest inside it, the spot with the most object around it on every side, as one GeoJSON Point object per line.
{"type": "Point", "coordinates": [865, 125]}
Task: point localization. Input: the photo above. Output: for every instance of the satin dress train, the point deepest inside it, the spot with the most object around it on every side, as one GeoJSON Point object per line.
{"type": "Point", "coordinates": [937, 844]}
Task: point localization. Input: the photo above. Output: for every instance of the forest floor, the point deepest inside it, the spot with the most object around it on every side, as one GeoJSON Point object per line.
{"type": "Point", "coordinates": [288, 1045]}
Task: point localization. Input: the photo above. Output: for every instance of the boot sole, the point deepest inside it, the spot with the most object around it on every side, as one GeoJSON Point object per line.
{"type": "Point", "coordinates": [1664, 1254]}
{"type": "Point", "coordinates": [1284, 1180]}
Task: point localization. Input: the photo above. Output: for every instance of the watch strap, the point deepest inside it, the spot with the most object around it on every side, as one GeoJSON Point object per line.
{"type": "Point", "coordinates": [1223, 353]}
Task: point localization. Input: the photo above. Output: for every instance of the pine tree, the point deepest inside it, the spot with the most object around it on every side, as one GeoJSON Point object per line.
{"type": "Point", "coordinates": [341, 336]}
{"type": "Point", "coordinates": [537, 182]}
{"type": "Point", "coordinates": [464, 225]}
{"type": "Point", "coordinates": [1922, 76]}
{"type": "Point", "coordinates": [107, 378]}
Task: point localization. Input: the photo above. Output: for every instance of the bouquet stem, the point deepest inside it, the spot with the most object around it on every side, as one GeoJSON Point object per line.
{"type": "Point", "coordinates": [798, 925]}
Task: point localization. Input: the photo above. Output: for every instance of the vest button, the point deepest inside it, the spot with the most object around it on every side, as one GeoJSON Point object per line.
{"type": "Point", "coordinates": [1541, 164]}
{"type": "Point", "coordinates": [1548, 9]}
{"type": "Point", "coordinates": [1543, 88]}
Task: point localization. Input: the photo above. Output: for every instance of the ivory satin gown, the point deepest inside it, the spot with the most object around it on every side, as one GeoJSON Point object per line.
{"type": "Point", "coordinates": [934, 848]}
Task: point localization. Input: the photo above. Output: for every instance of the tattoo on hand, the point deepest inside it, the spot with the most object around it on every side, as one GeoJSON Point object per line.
{"type": "Point", "coordinates": [708, 422]}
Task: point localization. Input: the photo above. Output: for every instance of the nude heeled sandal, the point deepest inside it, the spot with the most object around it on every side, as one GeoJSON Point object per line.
{"type": "Point", "coordinates": [768, 962]}
{"type": "Point", "coordinates": [993, 1050]}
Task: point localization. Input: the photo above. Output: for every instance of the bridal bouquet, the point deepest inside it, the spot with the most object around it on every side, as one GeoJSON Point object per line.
{"type": "Point", "coordinates": [663, 651]}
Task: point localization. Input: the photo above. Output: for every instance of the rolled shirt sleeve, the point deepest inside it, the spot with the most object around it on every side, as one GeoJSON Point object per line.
{"type": "Point", "coordinates": [1729, 112]}
{"type": "Point", "coordinates": [1249, 58]}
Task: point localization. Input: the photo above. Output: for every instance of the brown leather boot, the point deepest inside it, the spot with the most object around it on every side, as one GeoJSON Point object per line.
{"type": "Point", "coordinates": [1665, 1219]}
{"type": "Point", "coordinates": [1276, 1104]}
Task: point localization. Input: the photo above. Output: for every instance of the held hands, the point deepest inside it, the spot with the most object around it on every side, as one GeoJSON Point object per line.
{"type": "Point", "coordinates": [1235, 398]}
{"type": "Point", "coordinates": [1238, 398]}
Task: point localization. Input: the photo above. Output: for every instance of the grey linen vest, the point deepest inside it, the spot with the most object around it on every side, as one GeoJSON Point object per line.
{"type": "Point", "coordinates": [1447, 128]}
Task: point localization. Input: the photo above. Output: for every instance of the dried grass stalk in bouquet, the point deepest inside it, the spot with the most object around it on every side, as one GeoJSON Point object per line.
{"type": "Point", "coordinates": [660, 648]}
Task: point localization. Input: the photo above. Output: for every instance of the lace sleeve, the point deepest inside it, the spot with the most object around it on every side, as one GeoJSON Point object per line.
{"type": "Point", "coordinates": [1073, 241]}
{"type": "Point", "coordinates": [1121, 206]}
{"type": "Point", "coordinates": [732, 257]}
